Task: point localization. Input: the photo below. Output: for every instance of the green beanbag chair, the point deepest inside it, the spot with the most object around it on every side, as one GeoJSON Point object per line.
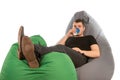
{"type": "Point", "coordinates": [53, 66]}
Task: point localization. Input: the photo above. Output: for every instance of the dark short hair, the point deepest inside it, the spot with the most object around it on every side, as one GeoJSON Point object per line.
{"type": "Point", "coordinates": [80, 20]}
{"type": "Point", "coordinates": [84, 20]}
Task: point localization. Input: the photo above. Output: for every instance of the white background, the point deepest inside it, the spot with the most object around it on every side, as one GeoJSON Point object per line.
{"type": "Point", "coordinates": [49, 18]}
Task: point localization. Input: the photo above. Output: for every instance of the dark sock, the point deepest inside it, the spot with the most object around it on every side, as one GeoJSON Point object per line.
{"type": "Point", "coordinates": [41, 50]}
{"type": "Point", "coordinates": [37, 50]}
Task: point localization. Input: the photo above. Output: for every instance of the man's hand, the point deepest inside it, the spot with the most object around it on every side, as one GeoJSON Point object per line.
{"type": "Point", "coordinates": [77, 49]}
{"type": "Point", "coordinates": [70, 32]}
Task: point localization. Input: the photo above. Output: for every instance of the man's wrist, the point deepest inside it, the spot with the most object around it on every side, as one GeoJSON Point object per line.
{"type": "Point", "coordinates": [82, 53]}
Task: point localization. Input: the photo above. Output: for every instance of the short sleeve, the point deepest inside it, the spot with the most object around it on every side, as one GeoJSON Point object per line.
{"type": "Point", "coordinates": [92, 40]}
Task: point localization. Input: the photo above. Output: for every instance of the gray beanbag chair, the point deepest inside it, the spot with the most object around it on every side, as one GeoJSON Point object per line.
{"type": "Point", "coordinates": [101, 68]}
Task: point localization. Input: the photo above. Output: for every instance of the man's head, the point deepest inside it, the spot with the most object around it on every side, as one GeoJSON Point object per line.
{"type": "Point", "coordinates": [79, 23]}
{"type": "Point", "coordinates": [80, 20]}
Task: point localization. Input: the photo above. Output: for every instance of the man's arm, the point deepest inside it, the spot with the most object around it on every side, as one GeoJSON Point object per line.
{"type": "Point", "coordinates": [94, 52]}
{"type": "Point", "coordinates": [63, 40]}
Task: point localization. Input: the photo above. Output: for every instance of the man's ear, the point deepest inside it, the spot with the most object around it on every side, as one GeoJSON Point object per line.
{"type": "Point", "coordinates": [84, 28]}
{"type": "Point", "coordinates": [73, 24]}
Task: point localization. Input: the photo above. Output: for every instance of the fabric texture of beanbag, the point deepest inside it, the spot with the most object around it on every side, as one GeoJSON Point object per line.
{"type": "Point", "coordinates": [53, 66]}
{"type": "Point", "coordinates": [101, 68]}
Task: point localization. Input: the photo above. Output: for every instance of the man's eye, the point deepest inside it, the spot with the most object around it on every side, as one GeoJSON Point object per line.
{"type": "Point", "coordinates": [75, 26]}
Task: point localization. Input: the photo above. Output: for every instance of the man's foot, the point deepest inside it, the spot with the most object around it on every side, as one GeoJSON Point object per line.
{"type": "Point", "coordinates": [20, 35]}
{"type": "Point", "coordinates": [28, 52]}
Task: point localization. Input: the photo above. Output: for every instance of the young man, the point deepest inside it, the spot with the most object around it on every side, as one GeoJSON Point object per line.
{"type": "Point", "coordinates": [77, 46]}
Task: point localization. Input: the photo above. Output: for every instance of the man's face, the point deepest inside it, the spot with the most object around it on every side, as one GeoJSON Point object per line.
{"type": "Point", "coordinates": [80, 26]}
